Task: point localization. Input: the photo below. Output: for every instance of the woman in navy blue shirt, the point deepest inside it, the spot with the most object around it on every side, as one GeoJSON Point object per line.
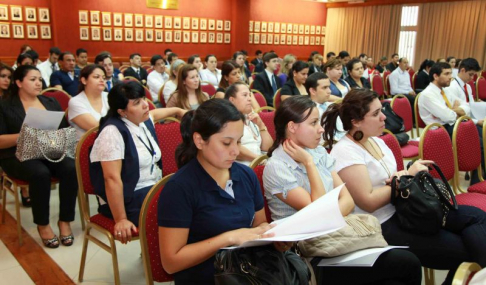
{"type": "Point", "coordinates": [211, 202]}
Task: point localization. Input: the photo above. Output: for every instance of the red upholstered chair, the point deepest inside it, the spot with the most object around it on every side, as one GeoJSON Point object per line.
{"type": "Point", "coordinates": [483, 73]}
{"type": "Point", "coordinates": [98, 222]}
{"type": "Point", "coordinates": [465, 272]}
{"type": "Point", "coordinates": [385, 81]}
{"type": "Point", "coordinates": [377, 85]}
{"type": "Point", "coordinates": [208, 88]}
{"type": "Point", "coordinates": [419, 123]}
{"type": "Point", "coordinates": [392, 143]}
{"type": "Point", "coordinates": [149, 236]}
{"type": "Point", "coordinates": [169, 137]}
{"type": "Point", "coordinates": [60, 95]}
{"type": "Point", "coordinates": [148, 94]}
{"type": "Point", "coordinates": [151, 105]}
{"type": "Point", "coordinates": [401, 106]}
{"type": "Point", "coordinates": [124, 67]}
{"type": "Point", "coordinates": [267, 118]}
{"type": "Point", "coordinates": [475, 77]}
{"type": "Point", "coordinates": [277, 99]}
{"type": "Point", "coordinates": [481, 89]}
{"type": "Point", "coordinates": [130, 78]}
{"type": "Point", "coordinates": [411, 72]}
{"type": "Point", "coordinates": [414, 80]}
{"type": "Point", "coordinates": [259, 98]}
{"type": "Point", "coordinates": [252, 67]}
{"type": "Point", "coordinates": [161, 96]}
{"type": "Point", "coordinates": [473, 87]}
{"type": "Point", "coordinates": [252, 83]}
{"type": "Point", "coordinates": [259, 173]}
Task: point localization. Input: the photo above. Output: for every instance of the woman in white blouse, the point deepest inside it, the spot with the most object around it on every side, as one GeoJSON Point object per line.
{"type": "Point", "coordinates": [125, 158]}
{"type": "Point", "coordinates": [86, 109]}
{"type": "Point", "coordinates": [171, 85]}
{"type": "Point", "coordinates": [211, 74]}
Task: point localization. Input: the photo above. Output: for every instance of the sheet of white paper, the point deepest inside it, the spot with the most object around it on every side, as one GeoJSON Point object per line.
{"type": "Point", "coordinates": [43, 119]}
{"type": "Point", "coordinates": [360, 258]}
{"type": "Point", "coordinates": [478, 110]}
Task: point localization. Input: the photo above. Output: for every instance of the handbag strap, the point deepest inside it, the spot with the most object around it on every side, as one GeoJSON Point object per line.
{"type": "Point", "coordinates": [44, 152]}
{"type": "Point", "coordinates": [448, 187]}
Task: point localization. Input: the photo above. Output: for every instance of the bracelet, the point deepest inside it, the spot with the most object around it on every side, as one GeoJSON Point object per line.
{"type": "Point", "coordinates": [263, 130]}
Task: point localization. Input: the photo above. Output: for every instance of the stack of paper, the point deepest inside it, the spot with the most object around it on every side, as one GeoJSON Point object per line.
{"type": "Point", "coordinates": [361, 258]}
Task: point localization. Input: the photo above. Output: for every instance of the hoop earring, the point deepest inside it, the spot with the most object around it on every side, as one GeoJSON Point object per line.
{"type": "Point", "coordinates": [358, 135]}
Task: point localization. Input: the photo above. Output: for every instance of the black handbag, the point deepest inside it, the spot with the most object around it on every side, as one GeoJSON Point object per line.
{"type": "Point", "coordinates": [259, 265]}
{"type": "Point", "coordinates": [393, 122]}
{"type": "Point", "coordinates": [422, 202]}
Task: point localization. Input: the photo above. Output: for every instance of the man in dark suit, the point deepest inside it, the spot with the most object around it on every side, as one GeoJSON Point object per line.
{"type": "Point", "coordinates": [393, 64]}
{"type": "Point", "coordinates": [104, 59]}
{"type": "Point", "coordinates": [345, 58]}
{"type": "Point", "coordinates": [265, 81]}
{"type": "Point", "coordinates": [135, 69]}
{"type": "Point", "coordinates": [258, 61]}
{"type": "Point", "coordinates": [67, 78]}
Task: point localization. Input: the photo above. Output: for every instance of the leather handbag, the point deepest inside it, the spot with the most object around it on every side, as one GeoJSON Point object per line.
{"type": "Point", "coordinates": [52, 145]}
{"type": "Point", "coordinates": [362, 231]}
{"type": "Point", "coordinates": [422, 202]}
{"type": "Point", "coordinates": [262, 265]}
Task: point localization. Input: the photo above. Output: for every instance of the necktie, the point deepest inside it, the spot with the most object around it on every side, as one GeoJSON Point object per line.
{"type": "Point", "coordinates": [108, 85]}
{"type": "Point", "coordinates": [274, 84]}
{"type": "Point", "coordinates": [445, 99]}
{"type": "Point", "coordinates": [53, 67]}
{"type": "Point", "coordinates": [467, 94]}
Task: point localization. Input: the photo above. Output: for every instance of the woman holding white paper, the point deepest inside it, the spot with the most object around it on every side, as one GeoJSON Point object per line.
{"type": "Point", "coordinates": [299, 171]}
{"type": "Point", "coordinates": [38, 172]}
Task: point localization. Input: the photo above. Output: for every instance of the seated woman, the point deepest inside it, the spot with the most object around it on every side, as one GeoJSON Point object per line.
{"type": "Point", "coordinates": [171, 85]}
{"type": "Point", "coordinates": [316, 65]}
{"type": "Point", "coordinates": [24, 59]}
{"type": "Point", "coordinates": [299, 171]}
{"type": "Point", "coordinates": [423, 79]}
{"type": "Point", "coordinates": [86, 109]}
{"type": "Point", "coordinates": [255, 134]}
{"type": "Point", "coordinates": [211, 74]}
{"type": "Point", "coordinates": [366, 165]}
{"type": "Point", "coordinates": [5, 79]}
{"type": "Point", "coordinates": [283, 73]}
{"type": "Point", "coordinates": [334, 70]}
{"type": "Point", "coordinates": [355, 78]}
{"type": "Point", "coordinates": [296, 81]}
{"type": "Point", "coordinates": [125, 158]}
{"type": "Point", "coordinates": [454, 64]}
{"type": "Point", "coordinates": [38, 172]}
{"type": "Point", "coordinates": [230, 74]}
{"type": "Point", "coordinates": [210, 202]}
{"type": "Point", "coordinates": [245, 75]}
{"type": "Point", "coordinates": [188, 94]}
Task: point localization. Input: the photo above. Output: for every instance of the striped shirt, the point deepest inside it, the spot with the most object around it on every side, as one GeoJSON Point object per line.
{"type": "Point", "coordinates": [282, 174]}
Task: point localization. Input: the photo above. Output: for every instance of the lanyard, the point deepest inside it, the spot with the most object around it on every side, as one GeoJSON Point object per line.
{"type": "Point", "coordinates": [151, 149]}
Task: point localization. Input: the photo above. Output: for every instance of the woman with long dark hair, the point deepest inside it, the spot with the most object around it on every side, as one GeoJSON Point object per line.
{"type": "Point", "coordinates": [296, 80]}
{"type": "Point", "coordinates": [355, 78]}
{"type": "Point", "coordinates": [188, 94]}
{"type": "Point", "coordinates": [5, 79]}
{"type": "Point", "coordinates": [423, 79]}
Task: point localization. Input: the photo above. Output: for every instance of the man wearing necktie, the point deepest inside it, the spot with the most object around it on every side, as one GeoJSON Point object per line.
{"type": "Point", "coordinates": [258, 62]}
{"type": "Point", "coordinates": [67, 78]}
{"type": "Point", "coordinates": [104, 59]}
{"type": "Point", "coordinates": [50, 65]}
{"type": "Point", "coordinates": [135, 69]}
{"type": "Point", "coordinates": [265, 81]}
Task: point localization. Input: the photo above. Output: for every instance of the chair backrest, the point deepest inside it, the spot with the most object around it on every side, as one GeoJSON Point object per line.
{"type": "Point", "coordinates": [419, 123]}
{"type": "Point", "coordinates": [259, 173]}
{"type": "Point", "coordinates": [148, 94]}
{"type": "Point", "coordinates": [60, 95]}
{"type": "Point", "coordinates": [209, 88]}
{"type": "Point", "coordinates": [465, 272]}
{"type": "Point", "coordinates": [392, 143]}
{"type": "Point", "coordinates": [169, 137]}
{"type": "Point", "coordinates": [466, 145]}
{"type": "Point", "coordinates": [401, 106]}
{"type": "Point", "coordinates": [251, 84]}
{"type": "Point", "coordinates": [267, 118]}
{"type": "Point", "coordinates": [130, 78]}
{"type": "Point", "coordinates": [377, 85]}
{"type": "Point", "coordinates": [252, 67]}
{"type": "Point", "coordinates": [385, 75]}
{"type": "Point", "coordinates": [277, 99]}
{"type": "Point", "coordinates": [411, 72]}
{"type": "Point", "coordinates": [481, 88]}
{"type": "Point", "coordinates": [123, 67]}
{"type": "Point", "coordinates": [435, 144]}
{"type": "Point", "coordinates": [161, 95]}
{"type": "Point", "coordinates": [387, 84]}
{"type": "Point", "coordinates": [149, 235]}
{"type": "Point", "coordinates": [473, 87]}
{"type": "Point", "coordinates": [414, 80]}
{"type": "Point", "coordinates": [151, 105]}
{"type": "Point", "coordinates": [259, 98]}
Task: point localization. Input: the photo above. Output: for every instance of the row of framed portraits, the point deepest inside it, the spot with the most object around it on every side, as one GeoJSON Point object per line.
{"type": "Point", "coordinates": [151, 35]}
{"type": "Point", "coordinates": [17, 14]}
{"type": "Point", "coordinates": [286, 28]}
{"type": "Point", "coordinates": [151, 21]}
{"type": "Point", "coordinates": [282, 39]}
{"type": "Point", "coordinates": [30, 31]}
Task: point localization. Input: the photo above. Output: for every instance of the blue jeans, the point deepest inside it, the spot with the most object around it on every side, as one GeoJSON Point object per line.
{"type": "Point", "coordinates": [462, 239]}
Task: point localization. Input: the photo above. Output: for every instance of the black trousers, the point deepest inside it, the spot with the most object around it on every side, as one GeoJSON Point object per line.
{"type": "Point", "coordinates": [38, 173]}
{"type": "Point", "coordinates": [394, 267]}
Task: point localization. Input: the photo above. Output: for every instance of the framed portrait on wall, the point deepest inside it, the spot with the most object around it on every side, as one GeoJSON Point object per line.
{"type": "Point", "coordinates": [3, 13]}
{"type": "Point", "coordinates": [84, 33]}
{"type": "Point", "coordinates": [306, 29]}
{"type": "Point", "coordinates": [107, 35]}
{"type": "Point", "coordinates": [295, 28]}
{"type": "Point", "coordinates": [117, 20]}
{"type": "Point", "coordinates": [128, 35]}
{"type": "Point", "coordinates": [301, 40]}
{"type": "Point", "coordinates": [45, 32]}
{"type": "Point", "coordinates": [16, 14]}
{"type": "Point", "coordinates": [250, 39]}
{"type": "Point", "coordinates": [256, 38]}
{"type": "Point", "coordinates": [129, 20]}
{"type": "Point", "coordinates": [227, 38]}
{"type": "Point", "coordinates": [159, 22]}
{"type": "Point", "coordinates": [177, 23]}
{"type": "Point", "coordinates": [301, 29]}
{"type": "Point", "coordinates": [118, 34]}
{"type": "Point", "coordinates": [276, 39]}
{"type": "Point", "coordinates": [186, 37]}
{"type": "Point", "coordinates": [318, 30]}
{"type": "Point", "coordinates": [270, 27]}
{"type": "Point", "coordinates": [289, 28]}
{"type": "Point", "coordinates": [251, 26]}
{"type": "Point", "coordinates": [282, 39]}
{"type": "Point", "coordinates": [159, 36]}
{"type": "Point", "coordinates": [186, 23]}
{"type": "Point", "coordinates": [312, 41]}
{"type": "Point", "coordinates": [277, 27]}
{"type": "Point", "coordinates": [106, 16]}
{"type": "Point", "coordinates": [204, 24]}
{"type": "Point", "coordinates": [195, 23]}
{"type": "Point", "coordinates": [219, 25]}
{"type": "Point", "coordinates": [306, 40]}
{"type": "Point", "coordinates": [32, 31]}
{"type": "Point", "coordinates": [83, 17]}
{"type": "Point", "coordinates": [219, 37]}
{"type": "Point", "coordinates": [44, 15]}
{"type": "Point", "coordinates": [227, 26]}
{"type": "Point", "coordinates": [138, 20]}
{"type": "Point", "coordinates": [211, 24]}
{"type": "Point", "coordinates": [323, 30]}
{"type": "Point", "coordinates": [149, 21]}
{"type": "Point", "coordinates": [168, 23]}
{"type": "Point", "coordinates": [95, 33]}
{"type": "Point", "coordinates": [18, 31]}
{"type": "Point", "coordinates": [323, 39]}
{"type": "Point", "coordinates": [203, 38]}
{"type": "Point", "coordinates": [149, 35]}
{"type": "Point", "coordinates": [95, 17]}
{"type": "Point", "coordinates": [264, 27]}
{"type": "Point", "coordinates": [295, 40]}
{"type": "Point", "coordinates": [318, 40]}
{"type": "Point", "coordinates": [211, 38]}
{"type": "Point", "coordinates": [256, 27]}
{"type": "Point", "coordinates": [269, 39]}
{"type": "Point", "coordinates": [4, 30]}
{"type": "Point", "coordinates": [168, 36]}
{"type": "Point", "coordinates": [177, 36]}
{"type": "Point", "coordinates": [263, 39]}
{"type": "Point", "coordinates": [139, 35]}
{"type": "Point", "coordinates": [195, 37]}
{"type": "Point", "coordinates": [289, 40]}
{"type": "Point", "coordinates": [312, 30]}
{"type": "Point", "coordinates": [30, 14]}
{"type": "Point", "coordinates": [283, 28]}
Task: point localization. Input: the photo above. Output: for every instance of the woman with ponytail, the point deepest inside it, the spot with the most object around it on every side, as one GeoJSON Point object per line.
{"type": "Point", "coordinates": [423, 79]}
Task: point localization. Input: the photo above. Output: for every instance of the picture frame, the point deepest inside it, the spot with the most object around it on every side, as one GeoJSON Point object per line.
{"type": "Point", "coordinates": [128, 20]}
{"type": "Point", "coordinates": [4, 30]}
{"type": "Point", "coordinates": [312, 30]}
{"type": "Point", "coordinates": [323, 30]}
{"type": "Point", "coordinates": [301, 40]}
{"type": "Point", "coordinates": [301, 29]}
{"type": "Point", "coordinates": [306, 40]}
{"type": "Point", "coordinates": [203, 37]}
{"type": "Point", "coordinates": [312, 40]}
{"type": "Point", "coordinates": [276, 39]}
{"type": "Point", "coordinates": [83, 17]}
{"type": "Point", "coordinates": [256, 38]}
{"type": "Point", "coordinates": [195, 24]}
{"type": "Point", "coordinates": [186, 37]}
{"type": "Point", "coordinates": [264, 28]}
{"type": "Point", "coordinates": [295, 28]}
{"type": "Point", "coordinates": [177, 23]}
{"type": "Point", "coordinates": [44, 16]}
{"type": "Point", "coordinates": [30, 14]}
{"type": "Point", "coordinates": [159, 36]}
{"type": "Point", "coordinates": [318, 30]}
{"type": "Point", "coordinates": [186, 23]}
{"type": "Point", "coordinates": [94, 17]}
{"type": "Point", "coordinates": [18, 31]}
{"type": "Point", "coordinates": [251, 27]}
{"type": "Point", "coordinates": [263, 39]}
{"type": "Point", "coordinates": [194, 37]}
{"type": "Point", "coordinates": [95, 33]}
{"type": "Point", "coordinates": [283, 28]}
{"type": "Point", "coordinates": [289, 28]}
{"type": "Point", "coordinates": [45, 32]}
{"type": "Point", "coordinates": [106, 19]}
{"type": "Point", "coordinates": [107, 36]}
{"type": "Point", "coordinates": [211, 24]}
{"type": "Point", "coordinates": [318, 40]}
{"type": "Point", "coordinates": [129, 34]}
{"type": "Point", "coordinates": [159, 22]}
{"type": "Point", "coordinates": [289, 40]}
{"type": "Point", "coordinates": [168, 24]}
{"type": "Point", "coordinates": [306, 29]}
{"type": "Point", "coordinates": [149, 35]}
{"type": "Point", "coordinates": [257, 27]}
{"type": "Point", "coordinates": [283, 39]}
{"type": "Point", "coordinates": [177, 36]}
{"type": "Point", "coordinates": [84, 33]}
{"type": "Point", "coordinates": [118, 34]}
{"type": "Point", "coordinates": [168, 36]}
{"type": "Point", "coordinates": [16, 14]}
{"type": "Point", "coordinates": [270, 27]}
{"type": "Point", "coordinates": [211, 38]}
{"type": "Point", "coordinates": [295, 40]}
{"type": "Point", "coordinates": [227, 27]}
{"type": "Point", "coordinates": [117, 20]}
{"type": "Point", "coordinates": [250, 39]}
{"type": "Point", "coordinates": [277, 27]}
{"type": "Point", "coordinates": [219, 37]}
{"type": "Point", "coordinates": [323, 39]}
{"type": "Point", "coordinates": [269, 39]}
{"type": "Point", "coordinates": [31, 31]}
{"type": "Point", "coordinates": [219, 25]}
{"type": "Point", "coordinates": [139, 35]}
{"type": "Point", "coordinates": [4, 13]}
{"type": "Point", "coordinates": [227, 38]}
{"type": "Point", "coordinates": [149, 21]}
{"type": "Point", "coordinates": [204, 25]}
{"type": "Point", "coordinates": [138, 21]}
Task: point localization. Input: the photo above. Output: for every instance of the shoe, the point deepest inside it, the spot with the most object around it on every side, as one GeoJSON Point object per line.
{"type": "Point", "coordinates": [50, 243]}
{"type": "Point", "coordinates": [26, 201]}
{"type": "Point", "coordinates": [65, 240]}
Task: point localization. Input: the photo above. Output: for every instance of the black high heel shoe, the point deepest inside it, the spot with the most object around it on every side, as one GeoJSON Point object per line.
{"type": "Point", "coordinates": [49, 243]}
{"type": "Point", "coordinates": [26, 201]}
{"type": "Point", "coordinates": [65, 240]}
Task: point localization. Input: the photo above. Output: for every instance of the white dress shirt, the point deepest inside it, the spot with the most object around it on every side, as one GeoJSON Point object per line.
{"type": "Point", "coordinates": [46, 70]}
{"type": "Point", "coordinates": [400, 82]}
{"type": "Point", "coordinates": [456, 89]}
{"type": "Point", "coordinates": [366, 73]}
{"type": "Point", "coordinates": [155, 81]}
{"type": "Point", "coordinates": [251, 139]}
{"type": "Point", "coordinates": [433, 108]}
{"type": "Point", "coordinates": [207, 75]}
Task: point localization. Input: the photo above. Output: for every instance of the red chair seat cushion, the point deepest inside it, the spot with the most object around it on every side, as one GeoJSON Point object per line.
{"type": "Point", "coordinates": [106, 223]}
{"type": "Point", "coordinates": [409, 150]}
{"type": "Point", "coordinates": [472, 199]}
{"type": "Point", "coordinates": [478, 188]}
{"type": "Point", "coordinates": [415, 143]}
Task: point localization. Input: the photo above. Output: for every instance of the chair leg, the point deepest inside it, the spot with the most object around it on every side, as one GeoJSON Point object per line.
{"type": "Point", "coordinates": [429, 276]}
{"type": "Point", "coordinates": [17, 210]}
{"type": "Point", "coordinates": [83, 253]}
{"type": "Point", "coordinates": [4, 199]}
{"type": "Point", "coordinates": [83, 225]}
{"type": "Point", "coordinates": [114, 257]}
